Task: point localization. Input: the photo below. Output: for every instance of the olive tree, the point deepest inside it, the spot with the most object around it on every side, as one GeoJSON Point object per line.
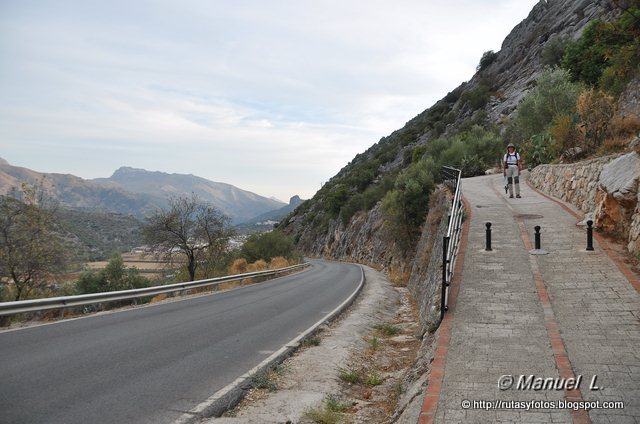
{"type": "Point", "coordinates": [31, 251]}
{"type": "Point", "coordinates": [190, 232]}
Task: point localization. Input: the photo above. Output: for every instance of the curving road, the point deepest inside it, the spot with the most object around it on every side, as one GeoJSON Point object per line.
{"type": "Point", "coordinates": [151, 364]}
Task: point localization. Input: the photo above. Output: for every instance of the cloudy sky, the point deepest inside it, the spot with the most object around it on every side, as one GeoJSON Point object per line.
{"type": "Point", "coordinates": [271, 96]}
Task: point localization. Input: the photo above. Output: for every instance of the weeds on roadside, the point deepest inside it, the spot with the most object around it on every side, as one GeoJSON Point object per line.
{"type": "Point", "coordinates": [374, 379]}
{"type": "Point", "coordinates": [387, 329]}
{"type": "Point", "coordinates": [349, 375]}
{"type": "Point", "coordinates": [265, 379]}
{"type": "Point", "coordinates": [311, 341]}
{"type": "Point", "coordinates": [374, 343]}
{"type": "Point", "coordinates": [330, 412]}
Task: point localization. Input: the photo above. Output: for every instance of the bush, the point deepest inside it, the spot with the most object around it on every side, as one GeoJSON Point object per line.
{"type": "Point", "coordinates": [266, 246]}
{"type": "Point", "coordinates": [259, 265]}
{"type": "Point", "coordinates": [553, 51]}
{"type": "Point", "coordinates": [539, 149]}
{"type": "Point", "coordinates": [115, 276]}
{"type": "Point", "coordinates": [564, 131]}
{"type": "Point", "coordinates": [478, 97]}
{"type": "Point", "coordinates": [335, 199]}
{"type": "Point", "coordinates": [487, 59]}
{"type": "Point", "coordinates": [406, 205]}
{"type": "Point", "coordinates": [607, 55]}
{"type": "Point", "coordinates": [239, 266]}
{"type": "Point", "coordinates": [554, 94]}
{"type": "Point", "coordinates": [596, 109]}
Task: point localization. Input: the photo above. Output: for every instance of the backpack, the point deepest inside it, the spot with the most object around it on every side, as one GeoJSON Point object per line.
{"type": "Point", "coordinates": [514, 156]}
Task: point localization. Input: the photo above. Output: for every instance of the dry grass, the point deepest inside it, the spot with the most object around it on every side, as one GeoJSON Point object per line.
{"type": "Point", "coordinates": [398, 277]}
{"type": "Point", "coordinates": [624, 127]}
{"type": "Point", "coordinates": [279, 262]}
{"type": "Point", "coordinates": [239, 266]}
{"type": "Point", "coordinates": [259, 265]}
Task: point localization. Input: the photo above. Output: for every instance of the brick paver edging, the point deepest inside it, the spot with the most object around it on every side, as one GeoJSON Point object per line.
{"type": "Point", "coordinates": [565, 369]}
{"type": "Point", "coordinates": [604, 244]}
{"type": "Point", "coordinates": [436, 377]}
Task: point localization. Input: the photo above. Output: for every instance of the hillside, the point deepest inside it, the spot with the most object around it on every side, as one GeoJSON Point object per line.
{"type": "Point", "coordinates": [137, 192]}
{"type": "Point", "coordinates": [240, 205]}
{"type": "Point", "coordinates": [373, 209]}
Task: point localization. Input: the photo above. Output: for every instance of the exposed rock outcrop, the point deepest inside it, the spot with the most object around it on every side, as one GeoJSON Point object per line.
{"type": "Point", "coordinates": [519, 61]}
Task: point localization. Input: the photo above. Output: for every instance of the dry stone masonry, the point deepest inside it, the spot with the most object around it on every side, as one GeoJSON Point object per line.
{"type": "Point", "coordinates": [605, 189]}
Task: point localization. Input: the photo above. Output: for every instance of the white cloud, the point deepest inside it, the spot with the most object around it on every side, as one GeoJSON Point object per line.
{"type": "Point", "coordinates": [273, 97]}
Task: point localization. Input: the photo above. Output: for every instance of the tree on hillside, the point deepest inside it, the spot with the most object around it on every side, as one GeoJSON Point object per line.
{"type": "Point", "coordinates": [31, 251]}
{"type": "Point", "coordinates": [190, 231]}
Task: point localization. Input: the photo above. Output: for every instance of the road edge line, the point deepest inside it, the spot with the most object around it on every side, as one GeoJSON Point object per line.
{"type": "Point", "coordinates": [230, 395]}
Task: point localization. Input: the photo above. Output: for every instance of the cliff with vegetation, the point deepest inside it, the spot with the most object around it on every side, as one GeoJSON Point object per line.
{"type": "Point", "coordinates": [537, 91]}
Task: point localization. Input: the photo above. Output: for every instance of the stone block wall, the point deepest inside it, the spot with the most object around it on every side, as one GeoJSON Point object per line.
{"type": "Point", "coordinates": [606, 189]}
{"type": "Point", "coordinates": [575, 183]}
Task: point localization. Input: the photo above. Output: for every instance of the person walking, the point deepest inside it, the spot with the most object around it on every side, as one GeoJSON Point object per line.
{"type": "Point", "coordinates": [512, 169]}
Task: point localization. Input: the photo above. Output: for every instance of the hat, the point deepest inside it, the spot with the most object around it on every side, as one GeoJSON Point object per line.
{"type": "Point", "coordinates": [510, 145]}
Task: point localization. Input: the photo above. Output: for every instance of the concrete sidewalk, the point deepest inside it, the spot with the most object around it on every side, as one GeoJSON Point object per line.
{"type": "Point", "coordinates": [567, 314]}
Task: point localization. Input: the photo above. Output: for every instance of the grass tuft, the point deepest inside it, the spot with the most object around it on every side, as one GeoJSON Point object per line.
{"type": "Point", "coordinates": [374, 379]}
{"type": "Point", "coordinates": [350, 376]}
{"type": "Point", "coordinates": [387, 329]}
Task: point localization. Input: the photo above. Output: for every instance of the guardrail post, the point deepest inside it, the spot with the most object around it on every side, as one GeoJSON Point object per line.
{"type": "Point", "coordinates": [589, 235]}
{"type": "Point", "coordinates": [445, 270]}
{"type": "Point", "coordinates": [537, 237]}
{"type": "Point", "coordinates": [488, 237]}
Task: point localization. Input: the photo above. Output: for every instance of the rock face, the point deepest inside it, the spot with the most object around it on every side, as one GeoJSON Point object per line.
{"type": "Point", "coordinates": [629, 101]}
{"type": "Point", "coordinates": [606, 188]}
{"type": "Point", "coordinates": [519, 61]}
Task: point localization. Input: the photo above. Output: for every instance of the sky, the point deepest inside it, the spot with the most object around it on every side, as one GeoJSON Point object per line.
{"type": "Point", "coordinates": [274, 97]}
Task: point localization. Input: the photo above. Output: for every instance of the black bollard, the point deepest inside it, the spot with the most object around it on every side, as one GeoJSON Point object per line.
{"type": "Point", "coordinates": [488, 247]}
{"type": "Point", "coordinates": [589, 235]}
{"type": "Point", "coordinates": [537, 236]}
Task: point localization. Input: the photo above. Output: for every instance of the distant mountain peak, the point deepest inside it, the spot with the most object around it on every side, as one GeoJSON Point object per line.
{"type": "Point", "coordinates": [3, 162]}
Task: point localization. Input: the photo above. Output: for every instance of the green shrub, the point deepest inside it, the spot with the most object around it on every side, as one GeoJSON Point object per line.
{"type": "Point", "coordinates": [607, 55]}
{"type": "Point", "coordinates": [406, 205]}
{"type": "Point", "coordinates": [553, 51]}
{"type": "Point", "coordinates": [266, 246]}
{"type": "Point", "coordinates": [115, 276]}
{"type": "Point", "coordinates": [335, 199]}
{"type": "Point", "coordinates": [554, 93]}
{"type": "Point", "coordinates": [478, 97]}
{"type": "Point", "coordinates": [487, 59]}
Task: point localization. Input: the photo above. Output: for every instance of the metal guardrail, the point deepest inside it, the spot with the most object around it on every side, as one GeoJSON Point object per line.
{"type": "Point", "coordinates": [450, 242]}
{"type": "Point", "coordinates": [10, 308]}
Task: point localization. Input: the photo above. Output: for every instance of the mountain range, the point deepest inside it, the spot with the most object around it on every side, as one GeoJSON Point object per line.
{"type": "Point", "coordinates": [138, 192]}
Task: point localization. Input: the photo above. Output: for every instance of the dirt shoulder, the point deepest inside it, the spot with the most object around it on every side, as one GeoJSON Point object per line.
{"type": "Point", "coordinates": [354, 374]}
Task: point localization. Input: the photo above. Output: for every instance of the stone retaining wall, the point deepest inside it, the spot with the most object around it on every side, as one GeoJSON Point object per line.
{"type": "Point", "coordinates": [576, 183]}
{"type": "Point", "coordinates": [605, 189]}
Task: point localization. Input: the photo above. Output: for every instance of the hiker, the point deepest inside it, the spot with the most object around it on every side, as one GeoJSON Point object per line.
{"type": "Point", "coordinates": [512, 169]}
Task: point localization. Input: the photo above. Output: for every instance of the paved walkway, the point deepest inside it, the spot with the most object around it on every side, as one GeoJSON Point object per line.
{"type": "Point", "coordinates": [567, 314]}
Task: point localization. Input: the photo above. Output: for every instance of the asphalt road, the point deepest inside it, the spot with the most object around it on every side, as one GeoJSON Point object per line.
{"type": "Point", "coordinates": [151, 364]}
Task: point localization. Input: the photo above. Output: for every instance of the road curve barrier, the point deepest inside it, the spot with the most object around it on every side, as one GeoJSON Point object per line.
{"type": "Point", "coordinates": [36, 305]}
